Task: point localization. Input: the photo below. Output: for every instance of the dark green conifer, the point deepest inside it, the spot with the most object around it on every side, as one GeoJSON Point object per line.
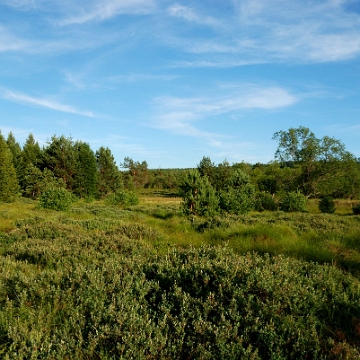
{"type": "Point", "coordinates": [9, 186]}
{"type": "Point", "coordinates": [109, 177]}
{"type": "Point", "coordinates": [86, 174]}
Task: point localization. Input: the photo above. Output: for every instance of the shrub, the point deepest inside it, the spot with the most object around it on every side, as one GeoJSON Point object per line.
{"type": "Point", "coordinates": [265, 201]}
{"type": "Point", "coordinates": [199, 197]}
{"type": "Point", "coordinates": [327, 205]}
{"type": "Point", "coordinates": [356, 209]}
{"type": "Point", "coordinates": [56, 199]}
{"type": "Point", "coordinates": [293, 201]}
{"type": "Point", "coordinates": [122, 198]}
{"type": "Point", "coordinates": [238, 200]}
{"type": "Point", "coordinates": [238, 197]}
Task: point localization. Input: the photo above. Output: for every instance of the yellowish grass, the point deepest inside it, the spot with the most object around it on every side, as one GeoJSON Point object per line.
{"type": "Point", "coordinates": [13, 211]}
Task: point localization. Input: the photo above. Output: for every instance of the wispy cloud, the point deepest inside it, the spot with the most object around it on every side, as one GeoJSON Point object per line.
{"type": "Point", "coordinates": [134, 77]}
{"type": "Point", "coordinates": [189, 14]}
{"type": "Point", "coordinates": [10, 42]}
{"type": "Point", "coordinates": [271, 31]}
{"type": "Point", "coordinates": [178, 115]}
{"type": "Point", "coordinates": [106, 9]}
{"type": "Point", "coordinates": [42, 102]}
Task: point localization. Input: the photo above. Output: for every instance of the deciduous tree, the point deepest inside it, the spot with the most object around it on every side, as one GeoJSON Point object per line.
{"type": "Point", "coordinates": [320, 160]}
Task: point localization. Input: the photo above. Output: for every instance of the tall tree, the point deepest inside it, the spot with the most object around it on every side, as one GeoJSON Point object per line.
{"type": "Point", "coordinates": [61, 158]}
{"type": "Point", "coordinates": [109, 177]}
{"type": "Point", "coordinates": [137, 170]}
{"type": "Point", "coordinates": [30, 156]}
{"type": "Point", "coordinates": [15, 149]}
{"type": "Point", "coordinates": [9, 186]}
{"type": "Point", "coordinates": [207, 168]}
{"type": "Point", "coordinates": [320, 160]}
{"type": "Point", "coordinates": [86, 173]}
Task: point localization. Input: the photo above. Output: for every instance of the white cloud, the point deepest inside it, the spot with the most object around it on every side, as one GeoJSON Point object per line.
{"type": "Point", "coordinates": [42, 102]}
{"type": "Point", "coordinates": [134, 77]}
{"type": "Point", "coordinates": [178, 115]}
{"type": "Point", "coordinates": [189, 14]}
{"type": "Point", "coordinates": [271, 31]}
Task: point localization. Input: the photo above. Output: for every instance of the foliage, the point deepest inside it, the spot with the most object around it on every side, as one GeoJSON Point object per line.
{"type": "Point", "coordinates": [138, 172]}
{"type": "Point", "coordinates": [319, 159]}
{"type": "Point", "coordinates": [15, 149]}
{"type": "Point", "coordinates": [268, 184]}
{"type": "Point", "coordinates": [356, 209]}
{"type": "Point", "coordinates": [9, 186]}
{"type": "Point", "coordinates": [85, 179]}
{"type": "Point", "coordinates": [109, 177]}
{"type": "Point", "coordinates": [125, 198]}
{"type": "Point", "coordinates": [265, 201]}
{"type": "Point", "coordinates": [30, 155]}
{"type": "Point", "coordinates": [293, 201]}
{"type": "Point", "coordinates": [327, 205]}
{"type": "Point", "coordinates": [37, 181]}
{"type": "Point", "coordinates": [93, 288]}
{"type": "Point", "coordinates": [199, 197]}
{"type": "Point", "coordinates": [238, 196]}
{"type": "Point", "coordinates": [58, 199]}
{"type": "Point", "coordinates": [61, 158]}
{"type": "Point", "coordinates": [207, 168]}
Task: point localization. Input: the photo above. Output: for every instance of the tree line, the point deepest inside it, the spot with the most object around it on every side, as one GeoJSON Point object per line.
{"type": "Point", "coordinates": [72, 165]}
{"type": "Point", "coordinates": [302, 164]}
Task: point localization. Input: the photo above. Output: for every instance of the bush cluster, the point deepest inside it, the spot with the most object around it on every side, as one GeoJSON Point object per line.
{"type": "Point", "coordinates": [56, 199]}
{"type": "Point", "coordinates": [265, 201]}
{"type": "Point", "coordinates": [293, 201]}
{"type": "Point", "coordinates": [125, 198]}
{"type": "Point", "coordinates": [118, 300]}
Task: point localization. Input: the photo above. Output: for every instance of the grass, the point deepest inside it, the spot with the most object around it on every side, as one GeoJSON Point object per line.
{"type": "Point", "coordinates": [309, 236]}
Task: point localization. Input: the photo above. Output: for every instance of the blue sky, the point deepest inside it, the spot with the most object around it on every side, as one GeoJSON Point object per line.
{"type": "Point", "coordinates": [172, 81]}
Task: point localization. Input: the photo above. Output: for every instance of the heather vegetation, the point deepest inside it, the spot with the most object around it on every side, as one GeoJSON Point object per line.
{"type": "Point", "coordinates": [217, 262]}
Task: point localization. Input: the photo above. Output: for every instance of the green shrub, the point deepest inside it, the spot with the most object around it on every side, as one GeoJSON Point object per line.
{"type": "Point", "coordinates": [238, 196]}
{"type": "Point", "coordinates": [69, 292]}
{"type": "Point", "coordinates": [293, 201]}
{"type": "Point", "coordinates": [56, 199]}
{"type": "Point", "coordinates": [239, 200]}
{"type": "Point", "coordinates": [327, 205]}
{"type": "Point", "coordinates": [122, 198]}
{"type": "Point", "coordinates": [265, 201]}
{"type": "Point", "coordinates": [199, 197]}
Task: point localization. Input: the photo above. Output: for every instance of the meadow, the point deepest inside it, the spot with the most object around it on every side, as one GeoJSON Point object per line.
{"type": "Point", "coordinates": [147, 282]}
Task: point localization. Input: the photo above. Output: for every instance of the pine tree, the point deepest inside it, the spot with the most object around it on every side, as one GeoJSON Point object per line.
{"type": "Point", "coordinates": [30, 155]}
{"type": "Point", "coordinates": [238, 195]}
{"type": "Point", "coordinates": [61, 158]}
{"type": "Point", "coordinates": [199, 197]}
{"type": "Point", "coordinates": [109, 176]}
{"type": "Point", "coordinates": [9, 186]}
{"type": "Point", "coordinates": [86, 174]}
{"type": "Point", "coordinates": [15, 149]}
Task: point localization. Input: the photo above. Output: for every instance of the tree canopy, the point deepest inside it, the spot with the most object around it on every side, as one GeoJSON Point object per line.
{"type": "Point", "coordinates": [319, 159]}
